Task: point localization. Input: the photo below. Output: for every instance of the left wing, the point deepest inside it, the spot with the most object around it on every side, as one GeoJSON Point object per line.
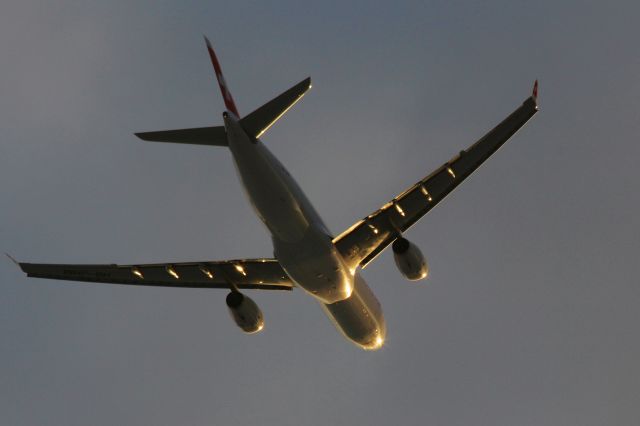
{"type": "Point", "coordinates": [367, 238]}
{"type": "Point", "coordinates": [262, 274]}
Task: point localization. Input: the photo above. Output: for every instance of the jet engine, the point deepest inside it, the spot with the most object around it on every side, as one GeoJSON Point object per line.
{"type": "Point", "coordinates": [245, 312]}
{"type": "Point", "coordinates": [409, 259]}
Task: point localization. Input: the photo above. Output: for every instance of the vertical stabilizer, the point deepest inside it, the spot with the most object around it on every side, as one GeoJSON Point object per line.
{"type": "Point", "coordinates": [226, 94]}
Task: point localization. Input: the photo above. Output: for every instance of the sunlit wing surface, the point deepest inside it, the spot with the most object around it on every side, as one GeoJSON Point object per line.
{"type": "Point", "coordinates": [367, 238]}
{"type": "Point", "coordinates": [261, 274]}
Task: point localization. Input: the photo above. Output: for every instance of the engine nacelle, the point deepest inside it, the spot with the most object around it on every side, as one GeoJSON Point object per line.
{"type": "Point", "coordinates": [409, 259]}
{"type": "Point", "coordinates": [245, 312]}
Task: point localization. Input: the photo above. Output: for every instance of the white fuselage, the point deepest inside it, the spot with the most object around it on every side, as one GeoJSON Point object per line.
{"type": "Point", "coordinates": [302, 244]}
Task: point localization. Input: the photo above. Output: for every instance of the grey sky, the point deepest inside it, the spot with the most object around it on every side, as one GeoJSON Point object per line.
{"type": "Point", "coordinates": [530, 314]}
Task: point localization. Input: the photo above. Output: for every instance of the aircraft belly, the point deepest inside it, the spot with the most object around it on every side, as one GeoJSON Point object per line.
{"type": "Point", "coordinates": [302, 244]}
{"type": "Point", "coordinates": [315, 266]}
{"type": "Point", "coordinates": [267, 189]}
{"type": "Point", "coordinates": [273, 203]}
{"type": "Point", "coordinates": [359, 318]}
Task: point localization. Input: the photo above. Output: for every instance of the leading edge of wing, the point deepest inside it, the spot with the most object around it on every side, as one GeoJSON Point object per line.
{"type": "Point", "coordinates": [261, 274]}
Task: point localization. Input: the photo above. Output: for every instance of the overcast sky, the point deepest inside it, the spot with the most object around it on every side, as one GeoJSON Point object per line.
{"type": "Point", "coordinates": [530, 315]}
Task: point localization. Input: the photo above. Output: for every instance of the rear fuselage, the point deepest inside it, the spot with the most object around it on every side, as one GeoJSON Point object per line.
{"type": "Point", "coordinates": [302, 243]}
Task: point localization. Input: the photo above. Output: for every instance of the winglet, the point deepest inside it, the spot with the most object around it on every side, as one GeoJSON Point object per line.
{"type": "Point", "coordinates": [534, 95]}
{"type": "Point", "coordinates": [226, 94]}
{"type": "Point", "coordinates": [12, 259]}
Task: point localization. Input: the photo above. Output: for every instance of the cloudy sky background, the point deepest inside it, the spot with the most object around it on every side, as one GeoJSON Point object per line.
{"type": "Point", "coordinates": [530, 314]}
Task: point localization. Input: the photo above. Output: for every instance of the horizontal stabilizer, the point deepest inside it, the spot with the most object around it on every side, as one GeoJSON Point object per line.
{"type": "Point", "coordinates": [259, 121]}
{"type": "Point", "coordinates": [198, 136]}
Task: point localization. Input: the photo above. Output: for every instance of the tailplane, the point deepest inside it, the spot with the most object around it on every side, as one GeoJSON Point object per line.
{"type": "Point", "coordinates": [215, 136]}
{"type": "Point", "coordinates": [259, 121]}
{"type": "Point", "coordinates": [254, 124]}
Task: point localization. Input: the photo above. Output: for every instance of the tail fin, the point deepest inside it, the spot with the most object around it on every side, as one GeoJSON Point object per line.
{"type": "Point", "coordinates": [226, 94]}
{"type": "Point", "coordinates": [259, 121]}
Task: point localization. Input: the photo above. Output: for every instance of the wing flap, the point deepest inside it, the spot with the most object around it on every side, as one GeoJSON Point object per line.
{"type": "Point", "coordinates": [361, 243]}
{"type": "Point", "coordinates": [264, 274]}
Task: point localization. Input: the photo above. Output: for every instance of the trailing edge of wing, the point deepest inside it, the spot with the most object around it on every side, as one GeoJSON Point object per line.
{"type": "Point", "coordinates": [262, 274]}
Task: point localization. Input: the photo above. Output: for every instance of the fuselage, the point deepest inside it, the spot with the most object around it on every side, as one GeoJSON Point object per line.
{"type": "Point", "coordinates": [302, 243]}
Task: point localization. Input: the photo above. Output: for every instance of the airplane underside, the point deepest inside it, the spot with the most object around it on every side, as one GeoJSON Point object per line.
{"type": "Point", "coordinates": [307, 256]}
{"type": "Point", "coordinates": [302, 244]}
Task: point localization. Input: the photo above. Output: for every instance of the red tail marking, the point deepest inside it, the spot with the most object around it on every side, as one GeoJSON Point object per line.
{"type": "Point", "coordinates": [226, 94]}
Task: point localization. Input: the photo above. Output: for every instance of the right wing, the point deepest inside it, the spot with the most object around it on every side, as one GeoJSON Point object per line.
{"type": "Point", "coordinates": [367, 238]}
{"type": "Point", "coordinates": [262, 274]}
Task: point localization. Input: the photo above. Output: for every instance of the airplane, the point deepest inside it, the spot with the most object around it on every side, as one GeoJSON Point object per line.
{"type": "Point", "coordinates": [306, 255]}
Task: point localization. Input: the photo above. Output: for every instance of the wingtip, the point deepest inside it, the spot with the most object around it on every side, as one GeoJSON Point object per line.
{"type": "Point", "coordinates": [535, 90]}
{"type": "Point", "coordinates": [12, 259]}
{"type": "Point", "coordinates": [206, 40]}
